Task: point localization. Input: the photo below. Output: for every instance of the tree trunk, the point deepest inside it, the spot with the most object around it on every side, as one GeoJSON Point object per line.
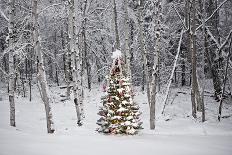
{"type": "Point", "coordinates": [68, 72]}
{"type": "Point", "coordinates": [203, 63]}
{"type": "Point", "coordinates": [115, 18]}
{"type": "Point", "coordinates": [153, 85]}
{"type": "Point", "coordinates": [56, 64]}
{"type": "Point", "coordinates": [224, 80]}
{"type": "Point", "coordinates": [183, 74]}
{"type": "Point", "coordinates": [11, 61]}
{"type": "Point", "coordinates": [127, 53]}
{"type": "Point", "coordinates": [193, 51]}
{"type": "Point", "coordinates": [30, 78]}
{"type": "Point", "coordinates": [230, 80]}
{"type": "Point", "coordinates": [75, 60]}
{"type": "Point", "coordinates": [41, 70]}
{"type": "Point", "coordinates": [142, 48]}
{"type": "Point", "coordinates": [214, 65]}
{"type": "Point", "coordinates": [84, 46]}
{"type": "Point", "coordinates": [173, 70]}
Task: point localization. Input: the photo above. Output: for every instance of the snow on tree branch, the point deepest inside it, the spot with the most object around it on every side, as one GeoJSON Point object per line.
{"type": "Point", "coordinates": [3, 15]}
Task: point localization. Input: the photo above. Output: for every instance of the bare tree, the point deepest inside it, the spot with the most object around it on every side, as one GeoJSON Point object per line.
{"type": "Point", "coordinates": [75, 59]}
{"type": "Point", "coordinates": [203, 63]}
{"type": "Point", "coordinates": [224, 80]}
{"type": "Point", "coordinates": [11, 61]}
{"type": "Point", "coordinates": [154, 80]}
{"type": "Point", "coordinates": [115, 18]}
{"type": "Point", "coordinates": [195, 95]}
{"type": "Point", "coordinates": [42, 82]}
{"type": "Point", "coordinates": [127, 52]}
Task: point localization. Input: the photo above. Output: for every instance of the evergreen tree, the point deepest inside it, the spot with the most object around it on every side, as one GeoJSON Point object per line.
{"type": "Point", "coordinates": [119, 114]}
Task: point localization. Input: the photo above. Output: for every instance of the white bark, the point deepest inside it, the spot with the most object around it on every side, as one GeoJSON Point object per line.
{"type": "Point", "coordinates": [203, 63]}
{"type": "Point", "coordinates": [230, 79]}
{"type": "Point", "coordinates": [42, 82]}
{"type": "Point", "coordinates": [224, 81]}
{"type": "Point", "coordinates": [4, 16]}
{"type": "Point", "coordinates": [127, 53]}
{"type": "Point", "coordinates": [115, 18]}
{"type": "Point", "coordinates": [11, 62]}
{"type": "Point", "coordinates": [172, 73]}
{"type": "Point", "coordinates": [143, 51]}
{"type": "Point", "coordinates": [75, 60]}
{"type": "Point", "coordinates": [214, 12]}
{"type": "Point", "coordinates": [153, 85]}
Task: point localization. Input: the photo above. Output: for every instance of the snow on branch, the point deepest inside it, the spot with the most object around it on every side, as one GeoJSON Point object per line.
{"type": "Point", "coordinates": [179, 16]}
{"type": "Point", "coordinates": [116, 54]}
{"type": "Point", "coordinates": [1, 70]}
{"type": "Point", "coordinates": [173, 70]}
{"type": "Point", "coordinates": [41, 11]}
{"type": "Point", "coordinates": [212, 14]}
{"type": "Point", "coordinates": [3, 15]}
{"type": "Point", "coordinates": [225, 42]}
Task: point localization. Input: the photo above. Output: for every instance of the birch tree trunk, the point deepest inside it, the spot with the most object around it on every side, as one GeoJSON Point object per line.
{"type": "Point", "coordinates": [55, 64]}
{"type": "Point", "coordinates": [224, 80]}
{"type": "Point", "coordinates": [203, 63]}
{"type": "Point", "coordinates": [68, 57]}
{"type": "Point", "coordinates": [146, 76]}
{"type": "Point", "coordinates": [172, 73]}
{"type": "Point", "coordinates": [75, 61]}
{"type": "Point", "coordinates": [84, 48]}
{"type": "Point", "coordinates": [127, 53]}
{"type": "Point", "coordinates": [153, 85]}
{"type": "Point", "coordinates": [41, 70]}
{"type": "Point", "coordinates": [230, 80]}
{"type": "Point", "coordinates": [11, 62]}
{"type": "Point", "coordinates": [115, 18]}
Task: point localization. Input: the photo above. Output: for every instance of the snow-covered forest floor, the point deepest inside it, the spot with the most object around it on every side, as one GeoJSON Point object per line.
{"type": "Point", "coordinates": [176, 132]}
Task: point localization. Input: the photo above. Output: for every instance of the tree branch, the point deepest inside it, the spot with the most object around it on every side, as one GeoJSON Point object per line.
{"type": "Point", "coordinates": [3, 72]}
{"type": "Point", "coordinates": [3, 15]}
{"type": "Point", "coordinates": [212, 14]}
{"type": "Point", "coordinates": [179, 16]}
{"type": "Point", "coordinates": [173, 70]}
{"type": "Point", "coordinates": [41, 11]}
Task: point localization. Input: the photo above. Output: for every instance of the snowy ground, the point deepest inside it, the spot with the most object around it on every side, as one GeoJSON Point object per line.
{"type": "Point", "coordinates": [176, 133]}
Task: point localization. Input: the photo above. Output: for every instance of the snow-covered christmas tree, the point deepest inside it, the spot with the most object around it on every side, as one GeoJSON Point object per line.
{"type": "Point", "coordinates": [119, 114]}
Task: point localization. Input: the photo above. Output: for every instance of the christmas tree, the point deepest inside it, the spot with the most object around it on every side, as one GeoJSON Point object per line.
{"type": "Point", "coordinates": [119, 114]}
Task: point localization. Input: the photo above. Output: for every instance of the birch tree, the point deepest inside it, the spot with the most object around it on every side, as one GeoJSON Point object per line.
{"type": "Point", "coordinates": [154, 80]}
{"type": "Point", "coordinates": [11, 61]}
{"type": "Point", "coordinates": [41, 76]}
{"type": "Point", "coordinates": [127, 53]}
{"type": "Point", "coordinates": [84, 44]}
{"type": "Point", "coordinates": [115, 19]}
{"type": "Point", "coordinates": [203, 63]}
{"type": "Point", "coordinates": [224, 80]}
{"type": "Point", "coordinates": [75, 60]}
{"type": "Point", "coordinates": [145, 78]}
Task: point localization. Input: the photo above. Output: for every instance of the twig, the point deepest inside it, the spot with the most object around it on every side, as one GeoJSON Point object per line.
{"type": "Point", "coordinates": [4, 16]}
{"type": "Point", "coordinates": [4, 72]}
{"type": "Point", "coordinates": [212, 14]}
{"type": "Point", "coordinates": [41, 11]}
{"type": "Point", "coordinates": [179, 17]}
